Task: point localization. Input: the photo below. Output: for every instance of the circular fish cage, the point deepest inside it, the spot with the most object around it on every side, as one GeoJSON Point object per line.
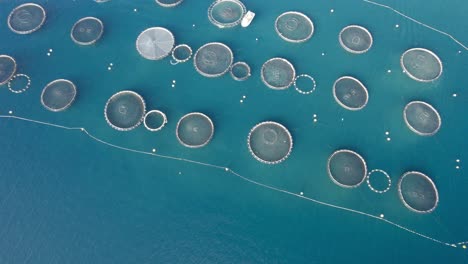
{"type": "Point", "coordinates": [155, 43]}
{"type": "Point", "coordinates": [213, 59]}
{"type": "Point", "coordinates": [226, 13]}
{"type": "Point", "coordinates": [87, 31]}
{"type": "Point", "coordinates": [58, 95]}
{"type": "Point", "coordinates": [194, 130]}
{"type": "Point", "coordinates": [19, 83]}
{"type": "Point", "coordinates": [125, 110]}
{"type": "Point", "coordinates": [240, 71]}
{"type": "Point", "coordinates": [304, 77]}
{"type": "Point", "coordinates": [422, 118]}
{"type": "Point", "coordinates": [355, 39]}
{"type": "Point", "coordinates": [270, 142]}
{"type": "Point", "coordinates": [278, 73]}
{"type": "Point", "coordinates": [418, 192]}
{"type": "Point", "coordinates": [155, 120]}
{"type": "Point", "coordinates": [380, 190]}
{"type": "Point", "coordinates": [347, 168]}
{"type": "Point", "coordinates": [350, 93]}
{"type": "Point", "coordinates": [26, 18]}
{"type": "Point", "coordinates": [421, 65]}
{"type": "Point", "coordinates": [7, 68]}
{"type": "Point", "coordinates": [169, 3]}
{"type": "Point", "coordinates": [182, 53]}
{"type": "Point", "coordinates": [294, 27]}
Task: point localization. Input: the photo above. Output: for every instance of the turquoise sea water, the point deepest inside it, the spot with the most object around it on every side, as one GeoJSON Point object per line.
{"type": "Point", "coordinates": [68, 198]}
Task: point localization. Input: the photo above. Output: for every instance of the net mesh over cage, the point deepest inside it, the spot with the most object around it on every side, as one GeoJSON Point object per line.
{"type": "Point", "coordinates": [418, 192]}
{"type": "Point", "coordinates": [169, 3]}
{"type": "Point", "coordinates": [355, 39]}
{"type": "Point", "coordinates": [7, 68]}
{"type": "Point", "coordinates": [155, 43]}
{"type": "Point", "coordinates": [278, 73]}
{"type": "Point", "coordinates": [26, 18]}
{"type": "Point", "coordinates": [421, 65]}
{"type": "Point", "coordinates": [155, 120]}
{"type": "Point", "coordinates": [350, 93]}
{"type": "Point", "coordinates": [87, 31]}
{"type": "Point", "coordinates": [347, 168]}
{"type": "Point", "coordinates": [240, 71]}
{"type": "Point", "coordinates": [226, 13]}
{"type": "Point", "coordinates": [58, 95]}
{"type": "Point", "coordinates": [125, 110]}
{"type": "Point", "coordinates": [422, 118]}
{"type": "Point", "coordinates": [213, 59]}
{"type": "Point", "coordinates": [194, 130]}
{"type": "Point", "coordinates": [294, 27]}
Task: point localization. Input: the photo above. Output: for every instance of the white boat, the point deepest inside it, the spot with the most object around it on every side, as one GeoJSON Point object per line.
{"type": "Point", "coordinates": [247, 19]}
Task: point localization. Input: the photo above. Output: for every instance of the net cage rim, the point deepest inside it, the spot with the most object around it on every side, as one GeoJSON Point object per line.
{"type": "Point", "coordinates": [225, 25]}
{"type": "Point", "coordinates": [301, 15]}
{"type": "Point", "coordinates": [90, 42]}
{"type": "Point", "coordinates": [281, 127]}
{"type": "Point", "coordinates": [345, 106]}
{"type": "Point", "coordinates": [157, 128]}
{"type": "Point", "coordinates": [218, 74]}
{"type": "Point", "coordinates": [439, 119]}
{"type": "Point", "coordinates": [243, 63]}
{"type": "Point", "coordinates": [184, 46]}
{"type": "Point", "coordinates": [307, 76]}
{"type": "Point", "coordinates": [31, 30]}
{"type": "Point", "coordinates": [372, 188]}
{"type": "Point", "coordinates": [351, 50]}
{"type": "Point", "coordinates": [169, 5]}
{"type": "Point", "coordinates": [26, 87]}
{"type": "Point", "coordinates": [357, 155]}
{"type": "Point", "coordinates": [282, 87]}
{"type": "Point", "coordinates": [14, 68]}
{"type": "Point", "coordinates": [405, 70]}
{"type": "Point", "coordinates": [400, 194]}
{"type": "Point", "coordinates": [120, 93]}
{"type": "Point", "coordinates": [195, 114]}
{"type": "Point", "coordinates": [68, 104]}
{"type": "Point", "coordinates": [152, 29]}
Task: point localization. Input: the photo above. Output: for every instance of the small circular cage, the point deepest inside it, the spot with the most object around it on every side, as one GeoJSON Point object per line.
{"type": "Point", "coordinates": [169, 3]}
{"type": "Point", "coordinates": [7, 68]}
{"type": "Point", "coordinates": [240, 71]}
{"type": "Point", "coordinates": [226, 13]}
{"type": "Point", "coordinates": [182, 53]}
{"type": "Point", "coordinates": [87, 31]}
{"type": "Point", "coordinates": [347, 168]}
{"type": "Point", "coordinates": [26, 18]}
{"type": "Point", "coordinates": [155, 43]}
{"type": "Point", "coordinates": [213, 59]}
{"type": "Point", "coordinates": [421, 65]}
{"type": "Point", "coordinates": [418, 192]}
{"type": "Point", "coordinates": [305, 84]}
{"type": "Point", "coordinates": [422, 118]}
{"type": "Point", "coordinates": [155, 120]}
{"type": "Point", "coordinates": [350, 93]}
{"type": "Point", "coordinates": [294, 27]}
{"type": "Point", "coordinates": [278, 73]}
{"type": "Point", "coordinates": [125, 110]}
{"type": "Point", "coordinates": [355, 39]}
{"type": "Point", "coordinates": [194, 130]}
{"type": "Point", "coordinates": [58, 95]}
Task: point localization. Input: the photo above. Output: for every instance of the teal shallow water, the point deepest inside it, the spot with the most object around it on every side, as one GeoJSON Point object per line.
{"type": "Point", "coordinates": [65, 198]}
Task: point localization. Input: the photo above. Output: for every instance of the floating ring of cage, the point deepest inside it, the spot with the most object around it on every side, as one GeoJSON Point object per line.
{"type": "Point", "coordinates": [240, 71]}
{"type": "Point", "coordinates": [422, 118]}
{"type": "Point", "coordinates": [58, 95]}
{"type": "Point", "coordinates": [270, 142]}
{"type": "Point", "coordinates": [155, 43]}
{"type": "Point", "coordinates": [350, 93]}
{"type": "Point", "coordinates": [87, 31]}
{"type": "Point", "coordinates": [125, 110]}
{"type": "Point", "coordinates": [7, 68]}
{"type": "Point", "coordinates": [421, 65]}
{"type": "Point", "coordinates": [355, 39]}
{"type": "Point", "coordinates": [278, 73]}
{"type": "Point", "coordinates": [213, 59]}
{"type": "Point", "coordinates": [304, 77]}
{"type": "Point", "coordinates": [194, 130]}
{"type": "Point", "coordinates": [24, 83]}
{"type": "Point", "coordinates": [169, 3]}
{"type": "Point", "coordinates": [226, 13]}
{"type": "Point", "coordinates": [155, 120]}
{"type": "Point", "coordinates": [26, 18]}
{"type": "Point", "coordinates": [182, 53]}
{"type": "Point", "coordinates": [347, 168]}
{"type": "Point", "coordinates": [418, 192]}
{"type": "Point", "coordinates": [384, 173]}
{"type": "Point", "coordinates": [294, 27]}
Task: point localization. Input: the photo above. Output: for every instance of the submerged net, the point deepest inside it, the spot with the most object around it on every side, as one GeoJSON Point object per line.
{"type": "Point", "coordinates": [421, 64]}
{"type": "Point", "coordinates": [422, 118]}
{"type": "Point", "coordinates": [87, 31]}
{"type": "Point", "coordinates": [125, 110]}
{"type": "Point", "coordinates": [347, 168]}
{"type": "Point", "coordinates": [58, 95]}
{"type": "Point", "coordinates": [350, 93]}
{"type": "Point", "coordinates": [195, 130]}
{"type": "Point", "coordinates": [7, 68]}
{"type": "Point", "coordinates": [182, 53]}
{"type": "Point", "coordinates": [278, 73]}
{"type": "Point", "coordinates": [294, 27]}
{"type": "Point", "coordinates": [270, 142]}
{"type": "Point", "coordinates": [169, 3]}
{"type": "Point", "coordinates": [155, 120]}
{"type": "Point", "coordinates": [355, 39]}
{"type": "Point", "coordinates": [418, 192]}
{"type": "Point", "coordinates": [155, 43]}
{"type": "Point", "coordinates": [240, 71]}
{"type": "Point", "coordinates": [213, 59]}
{"type": "Point", "coordinates": [26, 18]}
{"type": "Point", "coordinates": [226, 13]}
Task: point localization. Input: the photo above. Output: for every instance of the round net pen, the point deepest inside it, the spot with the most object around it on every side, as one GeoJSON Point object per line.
{"type": "Point", "coordinates": [26, 18]}
{"type": "Point", "coordinates": [308, 80]}
{"type": "Point", "coordinates": [7, 68]}
{"type": "Point", "coordinates": [347, 168]}
{"type": "Point", "coordinates": [240, 71]}
{"type": "Point", "coordinates": [226, 13]}
{"type": "Point", "coordinates": [418, 192]}
{"type": "Point", "coordinates": [278, 73]}
{"type": "Point", "coordinates": [58, 95]}
{"type": "Point", "coordinates": [421, 65]}
{"type": "Point", "coordinates": [355, 39]}
{"type": "Point", "coordinates": [194, 130]}
{"type": "Point", "coordinates": [19, 83]}
{"type": "Point", "coordinates": [87, 31]}
{"type": "Point", "coordinates": [181, 53]}
{"type": "Point", "coordinates": [155, 43]}
{"type": "Point", "coordinates": [213, 59]}
{"type": "Point", "coordinates": [294, 27]}
{"type": "Point", "coordinates": [125, 110]}
{"type": "Point", "coordinates": [422, 118]}
{"type": "Point", "coordinates": [350, 93]}
{"type": "Point", "coordinates": [169, 3]}
{"type": "Point", "coordinates": [155, 120]}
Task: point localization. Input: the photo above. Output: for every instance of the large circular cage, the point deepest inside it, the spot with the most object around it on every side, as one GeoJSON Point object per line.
{"type": "Point", "coordinates": [278, 73]}
{"type": "Point", "coordinates": [240, 71]}
{"type": "Point", "coordinates": [87, 31]}
{"type": "Point", "coordinates": [347, 168]}
{"type": "Point", "coordinates": [270, 142]}
{"type": "Point", "coordinates": [421, 65]}
{"type": "Point", "coordinates": [194, 130]}
{"type": "Point", "coordinates": [125, 110]}
{"type": "Point", "coordinates": [58, 95]}
{"type": "Point", "coordinates": [26, 18]}
{"type": "Point", "coordinates": [213, 59]}
{"type": "Point", "coordinates": [355, 39]}
{"type": "Point", "coordinates": [155, 43]}
{"type": "Point", "coordinates": [294, 27]}
{"type": "Point", "coordinates": [181, 53]}
{"type": "Point", "coordinates": [155, 120]}
{"type": "Point", "coordinates": [350, 93]}
{"type": "Point", "coordinates": [226, 13]}
{"type": "Point", "coordinates": [422, 118]}
{"type": "Point", "coordinates": [169, 3]}
{"type": "Point", "coordinates": [7, 68]}
{"type": "Point", "coordinates": [418, 192]}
